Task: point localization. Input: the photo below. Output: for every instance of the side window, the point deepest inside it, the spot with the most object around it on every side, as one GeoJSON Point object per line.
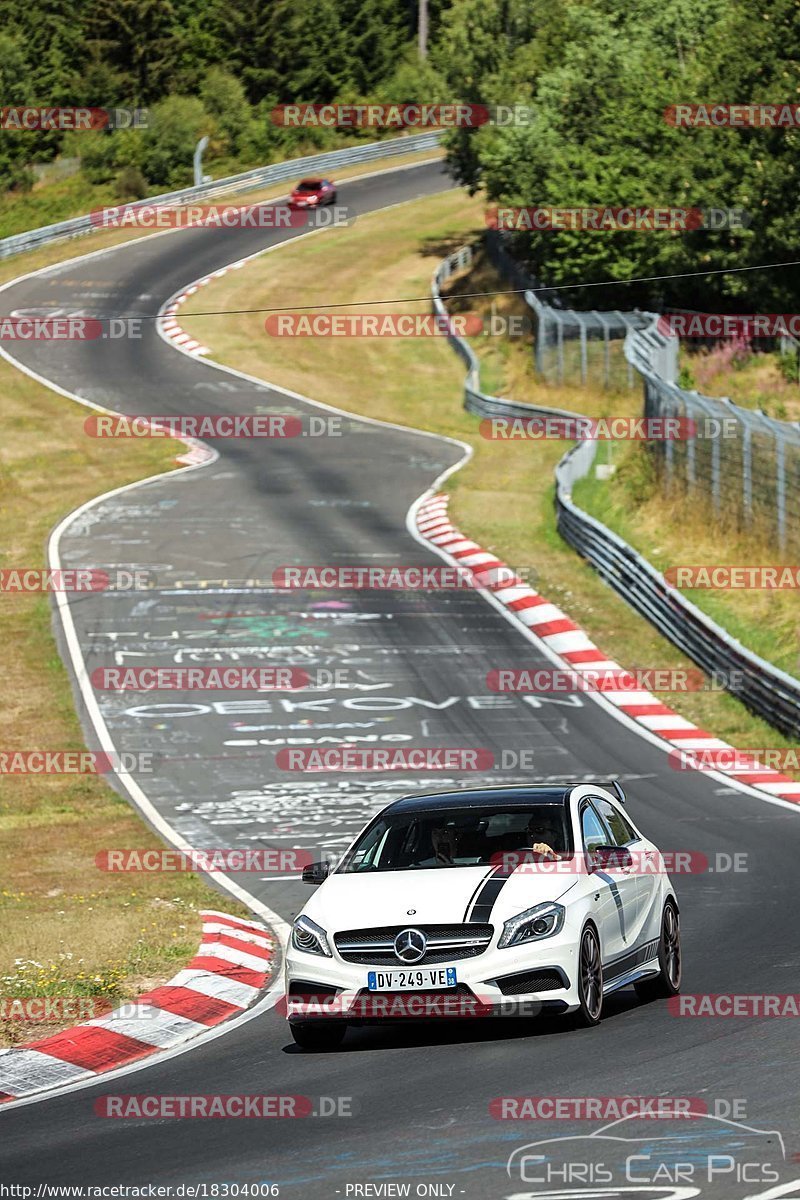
{"type": "Point", "coordinates": [369, 850]}
{"type": "Point", "coordinates": [621, 830]}
{"type": "Point", "coordinates": [593, 830]}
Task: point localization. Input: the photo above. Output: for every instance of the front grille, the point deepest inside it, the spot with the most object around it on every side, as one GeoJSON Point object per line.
{"type": "Point", "coordinates": [550, 979]}
{"type": "Point", "coordinates": [446, 943]}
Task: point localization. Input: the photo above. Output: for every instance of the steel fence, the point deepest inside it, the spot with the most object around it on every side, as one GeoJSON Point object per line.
{"type": "Point", "coordinates": [744, 463]}
{"type": "Point", "coordinates": [764, 689]}
{"type": "Point", "coordinates": [231, 185]}
{"type": "Point", "coordinates": [570, 346]}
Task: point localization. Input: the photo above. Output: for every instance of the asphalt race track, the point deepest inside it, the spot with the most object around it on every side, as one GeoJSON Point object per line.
{"type": "Point", "coordinates": [413, 671]}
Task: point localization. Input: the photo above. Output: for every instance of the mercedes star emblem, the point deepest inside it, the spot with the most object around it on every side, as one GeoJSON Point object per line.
{"type": "Point", "coordinates": [410, 945]}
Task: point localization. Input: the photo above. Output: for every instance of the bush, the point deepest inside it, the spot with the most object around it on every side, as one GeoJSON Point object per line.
{"type": "Point", "coordinates": [130, 184]}
{"type": "Point", "coordinates": [169, 142]}
{"type": "Point", "coordinates": [789, 366]}
{"type": "Point", "coordinates": [638, 474]}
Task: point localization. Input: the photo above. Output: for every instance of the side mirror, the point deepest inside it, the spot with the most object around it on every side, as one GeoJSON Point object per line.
{"type": "Point", "coordinates": [316, 872]}
{"type": "Point", "coordinates": [610, 858]}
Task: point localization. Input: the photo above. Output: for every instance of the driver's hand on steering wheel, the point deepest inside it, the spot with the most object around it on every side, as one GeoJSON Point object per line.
{"type": "Point", "coordinates": [544, 850]}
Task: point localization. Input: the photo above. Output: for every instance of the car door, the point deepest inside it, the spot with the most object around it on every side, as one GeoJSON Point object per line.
{"type": "Point", "coordinates": [617, 885]}
{"type": "Point", "coordinates": [624, 834]}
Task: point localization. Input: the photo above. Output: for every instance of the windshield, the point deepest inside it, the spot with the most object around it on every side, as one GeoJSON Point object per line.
{"type": "Point", "coordinates": [309, 185]}
{"type": "Point", "coordinates": [457, 838]}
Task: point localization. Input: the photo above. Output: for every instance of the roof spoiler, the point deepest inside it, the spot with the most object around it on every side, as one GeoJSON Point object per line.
{"type": "Point", "coordinates": [613, 785]}
{"type": "Point", "coordinates": [616, 788]}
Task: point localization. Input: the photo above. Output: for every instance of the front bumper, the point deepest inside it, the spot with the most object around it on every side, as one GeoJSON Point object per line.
{"type": "Point", "coordinates": [494, 983]}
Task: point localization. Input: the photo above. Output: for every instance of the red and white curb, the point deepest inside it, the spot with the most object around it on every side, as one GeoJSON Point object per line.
{"type": "Point", "coordinates": [230, 969]}
{"type": "Point", "coordinates": [169, 327]}
{"type": "Point", "coordinates": [167, 320]}
{"type": "Point", "coordinates": [568, 641]}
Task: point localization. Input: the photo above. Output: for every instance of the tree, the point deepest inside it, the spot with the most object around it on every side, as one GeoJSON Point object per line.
{"type": "Point", "coordinates": [169, 142]}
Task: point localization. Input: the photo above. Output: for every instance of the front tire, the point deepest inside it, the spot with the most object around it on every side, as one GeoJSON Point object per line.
{"type": "Point", "coordinates": [668, 981]}
{"type": "Point", "coordinates": [318, 1035]}
{"type": "Point", "coordinates": [590, 980]}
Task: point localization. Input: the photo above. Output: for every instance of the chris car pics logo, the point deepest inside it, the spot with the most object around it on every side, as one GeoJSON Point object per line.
{"type": "Point", "coordinates": [673, 1161]}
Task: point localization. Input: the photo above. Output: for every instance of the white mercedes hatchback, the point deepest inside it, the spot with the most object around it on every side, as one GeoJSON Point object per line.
{"type": "Point", "coordinates": [511, 900]}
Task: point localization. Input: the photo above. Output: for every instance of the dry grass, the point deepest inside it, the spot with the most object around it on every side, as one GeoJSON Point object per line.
{"type": "Point", "coordinates": [671, 529]}
{"type": "Point", "coordinates": [504, 497]}
{"type": "Point", "coordinates": [749, 379]}
{"type": "Point", "coordinates": [66, 928]}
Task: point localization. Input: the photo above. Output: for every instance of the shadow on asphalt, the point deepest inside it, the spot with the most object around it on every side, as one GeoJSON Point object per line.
{"type": "Point", "coordinates": [407, 1034]}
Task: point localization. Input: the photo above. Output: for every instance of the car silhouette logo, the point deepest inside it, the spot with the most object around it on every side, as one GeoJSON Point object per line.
{"type": "Point", "coordinates": [410, 945]}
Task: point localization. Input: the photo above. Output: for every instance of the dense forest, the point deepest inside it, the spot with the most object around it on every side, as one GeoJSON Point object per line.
{"type": "Point", "coordinates": [200, 67]}
{"type": "Point", "coordinates": [597, 76]}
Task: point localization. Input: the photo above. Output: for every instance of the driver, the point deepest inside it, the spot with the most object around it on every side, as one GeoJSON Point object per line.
{"type": "Point", "coordinates": [444, 843]}
{"type": "Point", "coordinates": [535, 836]}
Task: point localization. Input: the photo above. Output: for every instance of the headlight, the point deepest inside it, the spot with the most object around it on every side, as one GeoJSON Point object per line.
{"type": "Point", "coordinates": [532, 925]}
{"type": "Point", "coordinates": [308, 936]}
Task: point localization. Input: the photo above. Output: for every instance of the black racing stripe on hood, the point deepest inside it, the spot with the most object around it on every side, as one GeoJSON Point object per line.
{"type": "Point", "coordinates": [478, 889]}
{"type": "Point", "coordinates": [490, 890]}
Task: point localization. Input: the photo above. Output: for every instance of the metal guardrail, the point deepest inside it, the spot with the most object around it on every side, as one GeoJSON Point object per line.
{"type": "Point", "coordinates": [231, 184]}
{"type": "Point", "coordinates": [476, 401]}
{"type": "Point", "coordinates": [763, 688]}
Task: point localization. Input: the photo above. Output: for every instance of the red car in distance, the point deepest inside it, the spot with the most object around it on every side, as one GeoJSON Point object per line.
{"type": "Point", "coordinates": [310, 193]}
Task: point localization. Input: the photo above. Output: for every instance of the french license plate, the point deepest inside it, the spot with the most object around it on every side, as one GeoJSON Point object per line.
{"type": "Point", "coordinates": [420, 980]}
